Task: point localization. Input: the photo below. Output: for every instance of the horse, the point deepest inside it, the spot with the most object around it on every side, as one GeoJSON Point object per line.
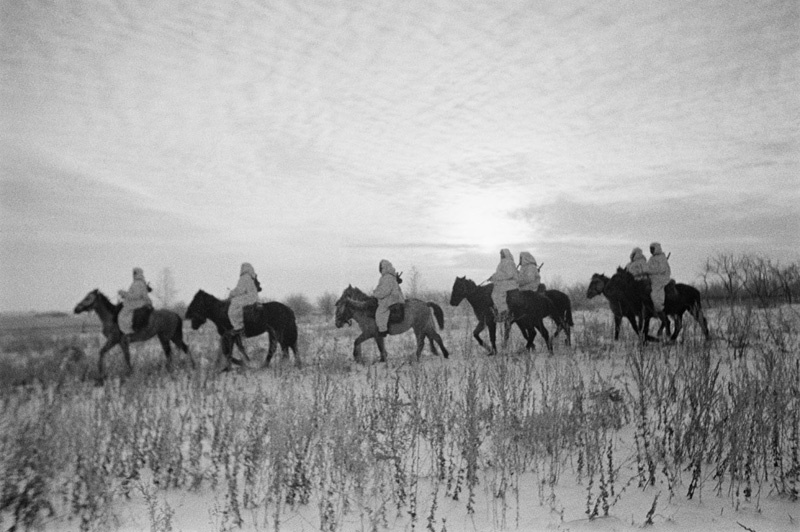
{"type": "Point", "coordinates": [165, 324]}
{"type": "Point", "coordinates": [528, 310]}
{"type": "Point", "coordinates": [356, 305]}
{"type": "Point", "coordinates": [273, 317]}
{"type": "Point", "coordinates": [630, 298]}
{"type": "Point", "coordinates": [679, 298]}
{"type": "Point", "coordinates": [562, 312]}
{"type": "Point", "coordinates": [618, 302]}
{"type": "Point", "coordinates": [687, 298]}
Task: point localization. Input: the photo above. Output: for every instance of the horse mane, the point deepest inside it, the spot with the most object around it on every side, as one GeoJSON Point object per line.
{"type": "Point", "coordinates": [470, 283]}
{"type": "Point", "coordinates": [206, 295]}
{"type": "Point", "coordinates": [107, 302]}
{"type": "Point", "coordinates": [358, 295]}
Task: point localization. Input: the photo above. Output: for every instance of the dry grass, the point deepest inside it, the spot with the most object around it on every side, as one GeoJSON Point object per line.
{"type": "Point", "coordinates": [376, 443]}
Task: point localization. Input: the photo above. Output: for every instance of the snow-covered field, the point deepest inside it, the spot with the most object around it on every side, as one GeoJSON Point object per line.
{"type": "Point", "coordinates": [598, 436]}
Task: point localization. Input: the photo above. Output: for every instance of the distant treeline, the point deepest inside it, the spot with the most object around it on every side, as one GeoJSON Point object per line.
{"type": "Point", "coordinates": [750, 278]}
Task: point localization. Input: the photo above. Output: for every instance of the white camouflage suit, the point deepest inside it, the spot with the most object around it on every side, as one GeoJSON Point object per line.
{"type": "Point", "coordinates": [388, 293]}
{"type": "Point", "coordinates": [505, 278]}
{"type": "Point", "coordinates": [660, 274]}
{"type": "Point", "coordinates": [244, 294]}
{"type": "Point", "coordinates": [135, 297]}
{"type": "Point", "coordinates": [638, 264]}
{"type": "Point", "coordinates": [528, 272]}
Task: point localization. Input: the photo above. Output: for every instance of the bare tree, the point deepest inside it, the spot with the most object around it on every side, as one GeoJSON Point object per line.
{"type": "Point", "coordinates": [165, 290]}
{"type": "Point", "coordinates": [725, 269]}
{"type": "Point", "coordinates": [299, 304]}
{"type": "Point", "coordinates": [758, 279]}
{"type": "Point", "coordinates": [326, 304]}
{"type": "Point", "coordinates": [414, 282]}
{"type": "Point", "coordinates": [788, 278]}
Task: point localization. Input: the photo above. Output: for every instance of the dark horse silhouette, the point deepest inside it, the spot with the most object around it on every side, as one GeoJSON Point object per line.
{"type": "Point", "coordinates": [273, 317]}
{"type": "Point", "coordinates": [622, 305]}
{"type": "Point", "coordinates": [356, 305]}
{"type": "Point", "coordinates": [562, 312]}
{"type": "Point", "coordinates": [165, 324]}
{"type": "Point", "coordinates": [630, 298]}
{"type": "Point", "coordinates": [527, 308]}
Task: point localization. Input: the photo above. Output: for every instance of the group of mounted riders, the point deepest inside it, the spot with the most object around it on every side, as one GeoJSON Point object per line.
{"type": "Point", "coordinates": [386, 311]}
{"type": "Point", "coordinates": [507, 276]}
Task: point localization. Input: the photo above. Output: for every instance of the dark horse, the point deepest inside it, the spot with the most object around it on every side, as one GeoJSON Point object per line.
{"type": "Point", "coordinates": [528, 310]}
{"type": "Point", "coordinates": [356, 305]}
{"type": "Point", "coordinates": [562, 312]}
{"type": "Point", "coordinates": [166, 324]}
{"type": "Point", "coordinates": [630, 298]}
{"type": "Point", "coordinates": [273, 317]}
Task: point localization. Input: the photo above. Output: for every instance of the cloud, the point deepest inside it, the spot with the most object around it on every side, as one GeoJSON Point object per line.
{"type": "Point", "coordinates": [703, 217]}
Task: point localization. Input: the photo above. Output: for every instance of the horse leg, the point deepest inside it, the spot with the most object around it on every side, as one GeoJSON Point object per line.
{"type": "Point", "coordinates": [432, 345]}
{"type": "Point", "coordinates": [382, 347]}
{"type": "Point", "coordinates": [298, 362]}
{"type": "Point", "coordinates": [363, 337]}
{"type": "Point", "coordinates": [647, 337]}
{"type": "Point", "coordinates": [167, 350]}
{"type": "Point", "coordinates": [558, 329]}
{"type": "Point", "coordinates": [678, 327]}
{"type": "Point", "coordinates": [435, 336]}
{"type": "Point", "coordinates": [126, 350]}
{"type": "Point", "coordinates": [110, 342]}
{"type": "Point", "coordinates": [420, 343]}
{"type": "Point", "coordinates": [273, 346]}
{"type": "Point", "coordinates": [177, 339]}
{"type": "Point", "coordinates": [507, 332]}
{"type": "Point", "coordinates": [617, 324]}
{"type": "Point", "coordinates": [530, 335]}
{"type": "Point", "coordinates": [225, 353]}
{"type": "Point", "coordinates": [697, 312]}
{"type": "Point", "coordinates": [237, 339]}
{"type": "Point", "coordinates": [539, 325]}
{"type": "Point", "coordinates": [477, 333]}
{"type": "Point", "coordinates": [492, 335]}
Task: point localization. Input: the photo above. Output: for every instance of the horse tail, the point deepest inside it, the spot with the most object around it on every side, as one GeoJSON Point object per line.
{"type": "Point", "coordinates": [568, 315]}
{"type": "Point", "coordinates": [290, 331]}
{"type": "Point", "coordinates": [438, 312]}
{"type": "Point", "coordinates": [697, 311]}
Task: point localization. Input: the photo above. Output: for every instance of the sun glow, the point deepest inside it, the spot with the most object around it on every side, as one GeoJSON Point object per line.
{"type": "Point", "coordinates": [484, 221]}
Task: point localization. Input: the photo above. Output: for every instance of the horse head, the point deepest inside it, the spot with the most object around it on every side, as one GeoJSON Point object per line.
{"type": "Point", "coordinates": [597, 285]}
{"type": "Point", "coordinates": [462, 287]}
{"type": "Point", "coordinates": [196, 311]}
{"type": "Point", "coordinates": [88, 302]}
{"type": "Point", "coordinates": [344, 314]}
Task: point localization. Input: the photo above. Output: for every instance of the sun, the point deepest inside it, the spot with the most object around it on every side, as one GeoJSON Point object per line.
{"type": "Point", "coordinates": [478, 221]}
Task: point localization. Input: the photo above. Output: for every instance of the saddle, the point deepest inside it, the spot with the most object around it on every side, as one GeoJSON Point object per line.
{"type": "Point", "coordinates": [141, 317]}
{"type": "Point", "coordinates": [397, 313]}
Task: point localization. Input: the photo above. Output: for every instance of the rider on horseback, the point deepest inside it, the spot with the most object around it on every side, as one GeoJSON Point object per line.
{"type": "Point", "coordinates": [505, 278]}
{"type": "Point", "coordinates": [528, 272]}
{"type": "Point", "coordinates": [245, 293]}
{"type": "Point", "coordinates": [638, 264]}
{"type": "Point", "coordinates": [658, 269]}
{"type": "Point", "coordinates": [135, 297]}
{"type": "Point", "coordinates": [388, 293]}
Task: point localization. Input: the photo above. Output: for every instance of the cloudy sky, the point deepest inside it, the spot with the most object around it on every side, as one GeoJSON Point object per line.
{"type": "Point", "coordinates": [314, 138]}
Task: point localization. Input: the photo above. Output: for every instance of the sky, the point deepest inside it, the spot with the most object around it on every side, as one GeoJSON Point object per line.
{"type": "Point", "coordinates": [315, 138]}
